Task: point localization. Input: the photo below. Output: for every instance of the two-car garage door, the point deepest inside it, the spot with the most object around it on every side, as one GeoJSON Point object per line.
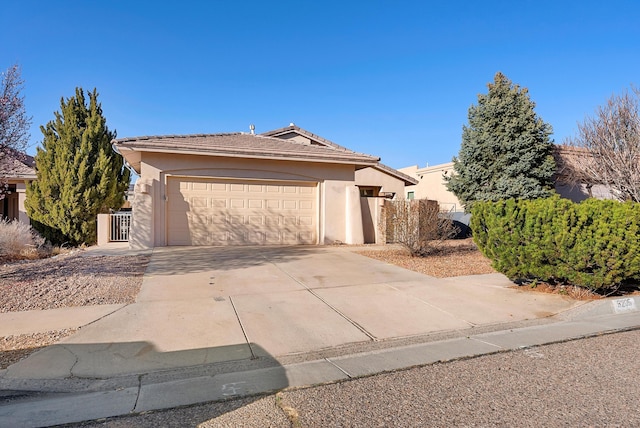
{"type": "Point", "coordinates": [203, 211]}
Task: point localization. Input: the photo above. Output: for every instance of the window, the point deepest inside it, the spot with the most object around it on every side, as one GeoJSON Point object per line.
{"type": "Point", "coordinates": [369, 191]}
{"type": "Point", "coordinates": [411, 195]}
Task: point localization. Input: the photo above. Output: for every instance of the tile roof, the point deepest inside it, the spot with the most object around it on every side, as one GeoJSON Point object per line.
{"type": "Point", "coordinates": [17, 165]}
{"type": "Point", "coordinates": [245, 145]}
{"type": "Point", "coordinates": [296, 129]}
{"type": "Point", "coordinates": [293, 129]}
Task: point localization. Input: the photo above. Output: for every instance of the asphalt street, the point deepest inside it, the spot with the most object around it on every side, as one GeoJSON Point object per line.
{"type": "Point", "coordinates": [586, 382]}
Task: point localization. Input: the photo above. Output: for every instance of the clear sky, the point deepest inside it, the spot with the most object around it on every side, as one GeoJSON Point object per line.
{"type": "Point", "coordinates": [390, 78]}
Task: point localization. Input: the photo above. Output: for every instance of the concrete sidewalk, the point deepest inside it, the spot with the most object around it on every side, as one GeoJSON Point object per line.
{"type": "Point", "coordinates": [27, 322]}
{"type": "Point", "coordinates": [211, 323]}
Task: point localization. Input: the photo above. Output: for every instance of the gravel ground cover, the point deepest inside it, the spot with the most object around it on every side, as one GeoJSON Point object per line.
{"type": "Point", "coordinates": [67, 280]}
{"type": "Point", "coordinates": [451, 258]}
{"type": "Point", "coordinates": [70, 280]}
{"type": "Point", "coordinates": [585, 383]}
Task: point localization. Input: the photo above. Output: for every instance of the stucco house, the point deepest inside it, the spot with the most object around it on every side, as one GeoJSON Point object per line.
{"type": "Point", "coordinates": [16, 170]}
{"type": "Point", "coordinates": [570, 183]}
{"type": "Point", "coordinates": [432, 185]}
{"type": "Point", "coordinates": [286, 186]}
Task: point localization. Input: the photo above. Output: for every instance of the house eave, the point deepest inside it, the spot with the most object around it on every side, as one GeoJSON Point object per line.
{"type": "Point", "coordinates": [357, 161]}
{"type": "Point", "coordinates": [408, 180]}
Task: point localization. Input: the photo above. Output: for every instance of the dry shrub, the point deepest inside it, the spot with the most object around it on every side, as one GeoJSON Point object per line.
{"type": "Point", "coordinates": [418, 225]}
{"type": "Point", "coordinates": [20, 241]}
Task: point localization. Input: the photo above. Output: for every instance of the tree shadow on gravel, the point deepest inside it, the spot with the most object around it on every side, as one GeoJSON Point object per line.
{"type": "Point", "coordinates": [74, 265]}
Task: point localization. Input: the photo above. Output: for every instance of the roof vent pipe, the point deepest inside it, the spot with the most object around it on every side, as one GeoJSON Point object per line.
{"type": "Point", "coordinates": [252, 128]}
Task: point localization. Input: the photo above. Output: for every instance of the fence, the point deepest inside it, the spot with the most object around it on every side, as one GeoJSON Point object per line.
{"type": "Point", "coordinates": [119, 226]}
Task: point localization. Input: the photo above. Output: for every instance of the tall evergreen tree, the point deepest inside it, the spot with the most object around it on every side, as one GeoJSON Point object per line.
{"type": "Point", "coordinates": [506, 149]}
{"type": "Point", "coordinates": [78, 173]}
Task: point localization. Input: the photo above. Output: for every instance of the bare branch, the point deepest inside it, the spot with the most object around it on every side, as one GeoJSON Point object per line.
{"type": "Point", "coordinates": [14, 125]}
{"type": "Point", "coordinates": [418, 225]}
{"type": "Point", "coordinates": [607, 148]}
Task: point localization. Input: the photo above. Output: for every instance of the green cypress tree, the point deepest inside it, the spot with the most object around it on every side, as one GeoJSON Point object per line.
{"type": "Point", "coordinates": [78, 173]}
{"type": "Point", "coordinates": [506, 149]}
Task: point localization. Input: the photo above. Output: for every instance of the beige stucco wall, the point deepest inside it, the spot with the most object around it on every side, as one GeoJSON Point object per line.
{"type": "Point", "coordinates": [103, 229]}
{"type": "Point", "coordinates": [334, 182]}
{"type": "Point", "coordinates": [371, 207]}
{"type": "Point", "coordinates": [374, 177]}
{"type": "Point", "coordinates": [431, 185]}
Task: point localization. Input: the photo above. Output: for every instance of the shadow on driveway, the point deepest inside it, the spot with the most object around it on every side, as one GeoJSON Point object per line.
{"type": "Point", "coordinates": [181, 260]}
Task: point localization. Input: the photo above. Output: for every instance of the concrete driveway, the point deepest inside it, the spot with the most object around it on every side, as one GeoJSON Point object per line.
{"type": "Point", "coordinates": [202, 305]}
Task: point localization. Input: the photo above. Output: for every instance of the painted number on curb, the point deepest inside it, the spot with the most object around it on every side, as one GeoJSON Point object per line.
{"type": "Point", "coordinates": [233, 388]}
{"type": "Point", "coordinates": [624, 305]}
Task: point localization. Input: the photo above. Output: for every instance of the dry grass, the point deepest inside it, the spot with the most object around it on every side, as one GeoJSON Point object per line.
{"type": "Point", "coordinates": [572, 291]}
{"type": "Point", "coordinates": [18, 241]}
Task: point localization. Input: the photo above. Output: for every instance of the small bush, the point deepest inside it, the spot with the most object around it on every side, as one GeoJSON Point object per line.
{"type": "Point", "coordinates": [418, 225]}
{"type": "Point", "coordinates": [593, 244]}
{"type": "Point", "coordinates": [20, 241]}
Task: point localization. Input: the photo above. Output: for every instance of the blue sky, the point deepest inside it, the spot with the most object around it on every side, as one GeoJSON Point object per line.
{"type": "Point", "coordinates": [390, 78]}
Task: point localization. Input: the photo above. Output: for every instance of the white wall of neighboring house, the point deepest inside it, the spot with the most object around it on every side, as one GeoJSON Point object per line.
{"type": "Point", "coordinates": [431, 185]}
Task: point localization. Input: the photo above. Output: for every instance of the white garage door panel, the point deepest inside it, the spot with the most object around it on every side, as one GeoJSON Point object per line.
{"type": "Point", "coordinates": [236, 212]}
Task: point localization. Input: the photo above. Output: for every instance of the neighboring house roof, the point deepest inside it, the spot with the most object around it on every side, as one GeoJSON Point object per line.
{"type": "Point", "coordinates": [435, 168]}
{"type": "Point", "coordinates": [572, 164]}
{"type": "Point", "coordinates": [17, 165]}
{"type": "Point", "coordinates": [292, 130]}
{"type": "Point", "coordinates": [242, 145]}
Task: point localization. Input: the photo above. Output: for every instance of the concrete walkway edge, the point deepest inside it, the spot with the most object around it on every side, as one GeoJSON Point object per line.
{"type": "Point", "coordinates": [42, 321]}
{"type": "Point", "coordinates": [606, 316]}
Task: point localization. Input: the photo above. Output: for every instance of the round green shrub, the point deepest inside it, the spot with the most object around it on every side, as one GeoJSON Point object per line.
{"type": "Point", "coordinates": [593, 244]}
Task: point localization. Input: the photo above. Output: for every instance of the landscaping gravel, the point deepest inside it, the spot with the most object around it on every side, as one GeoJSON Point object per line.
{"type": "Point", "coordinates": [70, 280]}
{"type": "Point", "coordinates": [450, 258]}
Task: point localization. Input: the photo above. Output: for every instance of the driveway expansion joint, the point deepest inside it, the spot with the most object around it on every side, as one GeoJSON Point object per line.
{"type": "Point", "coordinates": [339, 368]}
{"type": "Point", "coordinates": [244, 331]}
{"type": "Point", "coordinates": [333, 308]}
{"type": "Point", "coordinates": [106, 315]}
